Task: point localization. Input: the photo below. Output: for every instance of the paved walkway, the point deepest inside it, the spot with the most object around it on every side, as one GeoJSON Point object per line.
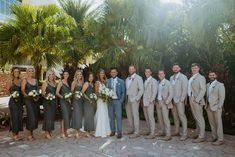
{"type": "Point", "coordinates": [111, 147]}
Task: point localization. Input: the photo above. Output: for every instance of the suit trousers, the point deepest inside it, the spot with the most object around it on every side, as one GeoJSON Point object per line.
{"type": "Point", "coordinates": [215, 121]}
{"type": "Point", "coordinates": [163, 118]}
{"type": "Point", "coordinates": [197, 111]}
{"type": "Point", "coordinates": [149, 116]}
{"type": "Point", "coordinates": [178, 112]}
{"type": "Point", "coordinates": [132, 111]}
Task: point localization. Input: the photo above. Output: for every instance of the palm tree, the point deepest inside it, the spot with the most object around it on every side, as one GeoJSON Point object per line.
{"type": "Point", "coordinates": [36, 34]}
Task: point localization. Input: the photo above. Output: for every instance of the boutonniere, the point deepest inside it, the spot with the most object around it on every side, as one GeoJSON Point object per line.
{"type": "Point", "coordinates": [132, 79]}
{"type": "Point", "coordinates": [163, 84]}
{"type": "Point", "coordinates": [213, 86]}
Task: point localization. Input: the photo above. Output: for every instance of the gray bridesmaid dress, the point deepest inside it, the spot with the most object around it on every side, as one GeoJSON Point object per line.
{"type": "Point", "coordinates": [16, 110]}
{"type": "Point", "coordinates": [32, 108]}
{"type": "Point", "coordinates": [78, 109]}
{"type": "Point", "coordinates": [89, 111]}
{"type": "Point", "coordinates": [65, 107]}
{"type": "Point", "coordinates": [50, 107]}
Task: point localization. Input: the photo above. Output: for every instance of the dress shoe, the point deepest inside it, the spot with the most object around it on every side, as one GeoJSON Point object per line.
{"type": "Point", "coordinates": [194, 137]}
{"type": "Point", "coordinates": [145, 133]}
{"type": "Point", "coordinates": [151, 136]}
{"type": "Point", "coordinates": [119, 136]}
{"type": "Point", "coordinates": [176, 134]}
{"type": "Point", "coordinates": [166, 138]}
{"type": "Point", "coordinates": [218, 143]}
{"type": "Point", "coordinates": [112, 134]}
{"type": "Point", "coordinates": [198, 140]}
{"type": "Point", "coordinates": [135, 136]}
{"type": "Point", "coordinates": [212, 139]}
{"type": "Point", "coordinates": [129, 132]}
{"type": "Point", "coordinates": [183, 138]}
{"type": "Point", "coordinates": [159, 134]}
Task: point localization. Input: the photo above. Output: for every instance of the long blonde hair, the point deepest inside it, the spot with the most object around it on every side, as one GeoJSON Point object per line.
{"type": "Point", "coordinates": [76, 73]}
{"type": "Point", "coordinates": [27, 71]}
{"type": "Point", "coordinates": [47, 75]}
{"type": "Point", "coordinates": [105, 78]}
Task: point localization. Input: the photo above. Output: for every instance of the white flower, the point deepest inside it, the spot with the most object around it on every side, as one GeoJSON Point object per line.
{"type": "Point", "coordinates": [15, 94]}
{"type": "Point", "coordinates": [33, 93]}
{"type": "Point", "coordinates": [68, 95]}
{"type": "Point", "coordinates": [50, 96]}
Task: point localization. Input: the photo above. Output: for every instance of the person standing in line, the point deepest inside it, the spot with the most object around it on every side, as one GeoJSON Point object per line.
{"type": "Point", "coordinates": [15, 104]}
{"type": "Point", "coordinates": [63, 91]}
{"type": "Point", "coordinates": [117, 86]}
{"type": "Point", "coordinates": [215, 102]}
{"type": "Point", "coordinates": [29, 85]}
{"type": "Point", "coordinates": [164, 104]}
{"type": "Point", "coordinates": [150, 92]}
{"type": "Point", "coordinates": [49, 104]}
{"type": "Point", "coordinates": [134, 92]}
{"type": "Point", "coordinates": [179, 83]}
{"type": "Point", "coordinates": [77, 103]}
{"type": "Point", "coordinates": [196, 93]}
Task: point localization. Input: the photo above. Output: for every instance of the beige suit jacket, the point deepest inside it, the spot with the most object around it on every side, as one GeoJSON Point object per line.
{"type": "Point", "coordinates": [180, 88]}
{"type": "Point", "coordinates": [217, 96]}
{"type": "Point", "coordinates": [150, 92]}
{"type": "Point", "coordinates": [136, 89]}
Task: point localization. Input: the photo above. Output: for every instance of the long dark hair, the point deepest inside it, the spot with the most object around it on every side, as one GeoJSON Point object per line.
{"type": "Point", "coordinates": [87, 78]}
{"type": "Point", "coordinates": [12, 73]}
{"type": "Point", "coordinates": [62, 77]}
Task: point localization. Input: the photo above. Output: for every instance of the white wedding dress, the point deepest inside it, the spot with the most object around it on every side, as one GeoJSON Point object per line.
{"type": "Point", "coordinates": [102, 124]}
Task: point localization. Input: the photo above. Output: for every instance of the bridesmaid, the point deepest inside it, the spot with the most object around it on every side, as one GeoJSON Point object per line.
{"type": "Point", "coordinates": [49, 86]}
{"type": "Point", "coordinates": [62, 89]}
{"type": "Point", "coordinates": [29, 84]}
{"type": "Point", "coordinates": [15, 104]}
{"type": "Point", "coordinates": [78, 106]}
{"type": "Point", "coordinates": [89, 110]}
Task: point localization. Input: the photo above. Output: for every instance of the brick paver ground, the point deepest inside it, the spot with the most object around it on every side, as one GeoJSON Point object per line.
{"type": "Point", "coordinates": [111, 147]}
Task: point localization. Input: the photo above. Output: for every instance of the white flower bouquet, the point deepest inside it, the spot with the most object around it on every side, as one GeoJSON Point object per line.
{"type": "Point", "coordinates": [15, 95]}
{"type": "Point", "coordinates": [67, 96]}
{"type": "Point", "coordinates": [78, 95]}
{"type": "Point", "coordinates": [50, 96]}
{"type": "Point", "coordinates": [93, 98]}
{"type": "Point", "coordinates": [34, 94]}
{"type": "Point", "coordinates": [105, 93]}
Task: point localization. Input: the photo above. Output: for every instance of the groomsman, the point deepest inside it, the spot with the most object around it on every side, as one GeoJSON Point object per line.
{"type": "Point", "coordinates": [150, 92]}
{"type": "Point", "coordinates": [196, 93]}
{"type": "Point", "coordinates": [134, 92]}
{"type": "Point", "coordinates": [115, 107]}
{"type": "Point", "coordinates": [215, 101]}
{"type": "Point", "coordinates": [164, 98]}
{"type": "Point", "coordinates": [179, 83]}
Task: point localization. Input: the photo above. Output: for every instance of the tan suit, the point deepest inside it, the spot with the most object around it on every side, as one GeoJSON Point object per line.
{"type": "Point", "coordinates": [163, 105]}
{"type": "Point", "coordinates": [150, 92]}
{"type": "Point", "coordinates": [180, 86]}
{"type": "Point", "coordinates": [134, 92]}
{"type": "Point", "coordinates": [215, 101]}
{"type": "Point", "coordinates": [196, 99]}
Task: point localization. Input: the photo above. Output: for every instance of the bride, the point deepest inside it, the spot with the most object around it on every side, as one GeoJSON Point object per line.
{"type": "Point", "coordinates": [102, 124]}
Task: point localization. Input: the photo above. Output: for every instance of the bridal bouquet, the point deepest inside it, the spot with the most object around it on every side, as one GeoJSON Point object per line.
{"type": "Point", "coordinates": [15, 95]}
{"type": "Point", "coordinates": [50, 97]}
{"type": "Point", "coordinates": [93, 98]}
{"type": "Point", "coordinates": [34, 94]}
{"type": "Point", "coordinates": [105, 94]}
{"type": "Point", "coordinates": [78, 95]}
{"type": "Point", "coordinates": [67, 96]}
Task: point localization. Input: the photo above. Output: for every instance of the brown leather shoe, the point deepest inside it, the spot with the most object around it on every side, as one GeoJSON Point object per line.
{"type": "Point", "coordinates": [212, 139]}
{"type": "Point", "coordinates": [135, 136]}
{"type": "Point", "coordinates": [183, 138]}
{"type": "Point", "coordinates": [150, 136]}
{"type": "Point", "coordinates": [119, 136]}
{"type": "Point", "coordinates": [112, 134]}
{"type": "Point", "coordinates": [176, 134]}
{"type": "Point", "coordinates": [166, 138]}
{"type": "Point", "coordinates": [145, 133]}
{"type": "Point", "coordinates": [218, 143]}
{"type": "Point", "coordinates": [159, 134]}
{"type": "Point", "coordinates": [129, 132]}
{"type": "Point", "coordinates": [198, 140]}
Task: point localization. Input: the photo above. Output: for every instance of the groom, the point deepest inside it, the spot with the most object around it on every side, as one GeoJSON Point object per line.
{"type": "Point", "coordinates": [117, 86]}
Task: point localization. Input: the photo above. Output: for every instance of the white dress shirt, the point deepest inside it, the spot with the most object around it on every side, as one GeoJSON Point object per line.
{"type": "Point", "coordinates": [190, 85]}
{"type": "Point", "coordinates": [129, 80]}
{"type": "Point", "coordinates": [161, 84]}
{"type": "Point", "coordinates": [212, 85]}
{"type": "Point", "coordinates": [173, 81]}
{"type": "Point", "coordinates": [147, 81]}
{"type": "Point", "coordinates": [114, 83]}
